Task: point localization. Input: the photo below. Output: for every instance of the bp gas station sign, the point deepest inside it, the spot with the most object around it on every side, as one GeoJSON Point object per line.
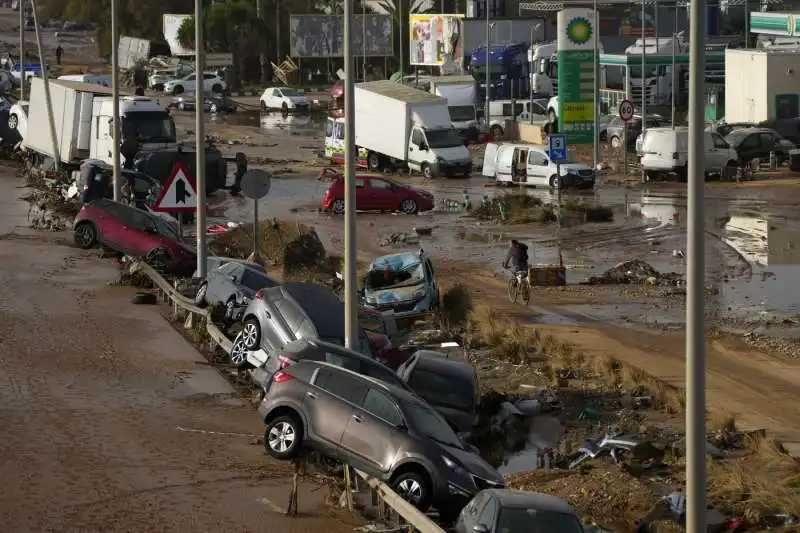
{"type": "Point", "coordinates": [576, 59]}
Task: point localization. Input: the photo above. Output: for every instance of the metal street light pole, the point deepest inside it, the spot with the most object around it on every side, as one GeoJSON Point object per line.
{"type": "Point", "coordinates": [115, 91]}
{"type": "Point", "coordinates": [695, 274]}
{"type": "Point", "coordinates": [200, 142]}
{"type": "Point", "coordinates": [674, 74]}
{"type": "Point", "coordinates": [486, 113]}
{"type": "Point", "coordinates": [400, 28]}
{"type": "Point", "coordinates": [530, 72]}
{"type": "Point", "coordinates": [644, 86]}
{"type": "Point", "coordinates": [596, 136]}
{"type": "Point", "coordinates": [22, 49]}
{"type": "Point", "coordinates": [350, 266]}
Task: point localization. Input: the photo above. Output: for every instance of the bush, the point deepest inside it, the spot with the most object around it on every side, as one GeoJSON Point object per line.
{"type": "Point", "coordinates": [515, 208]}
{"type": "Point", "coordinates": [456, 307]}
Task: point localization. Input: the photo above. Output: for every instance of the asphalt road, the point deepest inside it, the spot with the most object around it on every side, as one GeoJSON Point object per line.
{"type": "Point", "coordinates": [110, 421]}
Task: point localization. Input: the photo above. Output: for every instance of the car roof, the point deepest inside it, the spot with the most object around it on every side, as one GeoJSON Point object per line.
{"type": "Point", "coordinates": [399, 261]}
{"type": "Point", "coordinates": [323, 307]}
{"type": "Point", "coordinates": [435, 361]}
{"type": "Point", "coordinates": [303, 344]}
{"type": "Point", "coordinates": [536, 500]}
{"type": "Point", "coordinates": [752, 130]}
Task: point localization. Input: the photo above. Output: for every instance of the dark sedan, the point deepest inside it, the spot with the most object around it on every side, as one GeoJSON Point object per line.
{"type": "Point", "coordinates": [758, 143]}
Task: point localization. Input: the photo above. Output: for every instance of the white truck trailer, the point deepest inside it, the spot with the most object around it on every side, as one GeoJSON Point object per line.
{"type": "Point", "coordinates": [399, 125]}
{"type": "Point", "coordinates": [460, 94]}
{"type": "Point", "coordinates": [83, 116]}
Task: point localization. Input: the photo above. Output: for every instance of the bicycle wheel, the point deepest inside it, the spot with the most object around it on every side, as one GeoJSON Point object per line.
{"type": "Point", "coordinates": [513, 290]}
{"type": "Point", "coordinates": [525, 292]}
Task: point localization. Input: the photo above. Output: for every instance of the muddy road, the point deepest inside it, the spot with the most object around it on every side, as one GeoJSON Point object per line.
{"type": "Point", "coordinates": [111, 420]}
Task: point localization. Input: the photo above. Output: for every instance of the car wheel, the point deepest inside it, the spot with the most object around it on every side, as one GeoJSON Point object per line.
{"type": "Point", "coordinates": [374, 161]}
{"type": "Point", "coordinates": [13, 121]}
{"type": "Point", "coordinates": [216, 88]}
{"type": "Point", "coordinates": [615, 142]}
{"type": "Point", "coordinates": [85, 235]}
{"type": "Point", "coordinates": [496, 130]}
{"type": "Point", "coordinates": [178, 89]}
{"type": "Point", "coordinates": [159, 258]}
{"type": "Point", "coordinates": [408, 206]}
{"type": "Point", "coordinates": [338, 206]}
{"type": "Point", "coordinates": [554, 182]}
{"type": "Point", "coordinates": [263, 106]}
{"type": "Point", "coordinates": [552, 115]}
{"type": "Point", "coordinates": [251, 334]}
{"type": "Point", "coordinates": [284, 108]}
{"type": "Point", "coordinates": [239, 351]}
{"type": "Point", "coordinates": [283, 437]}
{"type": "Point", "coordinates": [414, 488]}
{"type": "Point", "coordinates": [427, 171]}
{"type": "Point", "coordinates": [200, 297]}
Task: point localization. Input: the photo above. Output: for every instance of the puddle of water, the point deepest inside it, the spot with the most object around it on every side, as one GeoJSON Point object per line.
{"type": "Point", "coordinates": [544, 431]}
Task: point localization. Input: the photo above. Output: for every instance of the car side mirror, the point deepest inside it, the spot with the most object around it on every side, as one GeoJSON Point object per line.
{"type": "Point", "coordinates": [480, 528]}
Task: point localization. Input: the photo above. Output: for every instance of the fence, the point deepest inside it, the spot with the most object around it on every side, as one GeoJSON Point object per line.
{"type": "Point", "coordinates": [392, 507]}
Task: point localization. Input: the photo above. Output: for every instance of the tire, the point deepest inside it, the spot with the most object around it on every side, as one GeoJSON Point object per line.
{"type": "Point", "coordinates": [554, 182]}
{"type": "Point", "coordinates": [283, 437]}
{"type": "Point", "coordinates": [238, 355]}
{"type": "Point", "coordinates": [13, 121]}
{"type": "Point", "coordinates": [200, 297]}
{"type": "Point", "coordinates": [230, 308]}
{"type": "Point", "coordinates": [525, 293]}
{"type": "Point", "coordinates": [513, 290]}
{"type": "Point", "coordinates": [159, 259]}
{"type": "Point", "coordinates": [178, 89]}
{"type": "Point", "coordinates": [338, 206]}
{"type": "Point", "coordinates": [552, 115]}
{"type": "Point", "coordinates": [263, 106]}
{"type": "Point", "coordinates": [408, 206]}
{"type": "Point", "coordinates": [427, 171]}
{"type": "Point", "coordinates": [414, 488]}
{"type": "Point", "coordinates": [284, 108]}
{"type": "Point", "coordinates": [251, 334]}
{"type": "Point", "coordinates": [216, 88]}
{"type": "Point", "coordinates": [144, 298]}
{"type": "Point", "coordinates": [374, 161]}
{"type": "Point", "coordinates": [85, 235]}
{"type": "Point", "coordinates": [615, 142]}
{"type": "Point", "coordinates": [496, 131]}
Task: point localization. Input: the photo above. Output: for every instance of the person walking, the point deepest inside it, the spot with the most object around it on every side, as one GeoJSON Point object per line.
{"type": "Point", "coordinates": [59, 53]}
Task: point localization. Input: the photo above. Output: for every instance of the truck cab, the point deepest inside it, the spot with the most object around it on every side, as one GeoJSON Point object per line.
{"type": "Point", "coordinates": [141, 119]}
{"type": "Point", "coordinates": [657, 81]}
{"type": "Point", "coordinates": [508, 65]}
{"type": "Point", "coordinates": [543, 62]}
{"type": "Point", "coordinates": [461, 97]}
{"type": "Point", "coordinates": [437, 152]}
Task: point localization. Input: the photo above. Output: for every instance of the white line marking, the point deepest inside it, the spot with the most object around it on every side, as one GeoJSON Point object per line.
{"type": "Point", "coordinates": [272, 506]}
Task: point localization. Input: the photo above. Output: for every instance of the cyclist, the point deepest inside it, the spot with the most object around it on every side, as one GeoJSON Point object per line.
{"type": "Point", "coordinates": [517, 257]}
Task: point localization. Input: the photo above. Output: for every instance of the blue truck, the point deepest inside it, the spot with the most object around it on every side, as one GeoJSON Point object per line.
{"type": "Point", "coordinates": [508, 63]}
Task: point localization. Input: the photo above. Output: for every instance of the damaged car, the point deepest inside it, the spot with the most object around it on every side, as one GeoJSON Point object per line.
{"type": "Point", "coordinates": [233, 285]}
{"type": "Point", "coordinates": [515, 511]}
{"type": "Point", "coordinates": [401, 284]}
{"type": "Point", "coordinates": [133, 232]}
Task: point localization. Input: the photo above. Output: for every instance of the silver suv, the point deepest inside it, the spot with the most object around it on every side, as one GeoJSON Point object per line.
{"type": "Point", "coordinates": [385, 431]}
{"type": "Point", "coordinates": [279, 315]}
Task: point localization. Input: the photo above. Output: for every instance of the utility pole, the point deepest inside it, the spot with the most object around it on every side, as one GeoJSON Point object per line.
{"type": "Point", "coordinates": [262, 56]}
{"type": "Point", "coordinates": [278, 31]}
{"type": "Point", "coordinates": [486, 114]}
{"type": "Point", "coordinates": [115, 104]}
{"type": "Point", "coordinates": [22, 79]}
{"type": "Point", "coordinates": [400, 28]}
{"type": "Point", "coordinates": [200, 141]}
{"type": "Point", "coordinates": [596, 136]}
{"type": "Point", "coordinates": [644, 85]}
{"type": "Point", "coordinates": [350, 250]}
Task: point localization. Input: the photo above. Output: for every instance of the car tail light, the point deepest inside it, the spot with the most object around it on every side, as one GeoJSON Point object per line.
{"type": "Point", "coordinates": [284, 361]}
{"type": "Point", "coordinates": [280, 376]}
{"type": "Point", "coordinates": [675, 155]}
{"type": "Point", "coordinates": [259, 294]}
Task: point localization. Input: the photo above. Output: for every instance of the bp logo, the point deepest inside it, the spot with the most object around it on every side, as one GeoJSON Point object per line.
{"type": "Point", "coordinates": [579, 31]}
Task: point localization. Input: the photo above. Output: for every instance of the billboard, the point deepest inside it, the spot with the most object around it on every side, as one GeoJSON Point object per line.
{"type": "Point", "coordinates": [323, 35]}
{"type": "Point", "coordinates": [172, 24]}
{"type": "Point", "coordinates": [576, 64]}
{"type": "Point", "coordinates": [436, 40]}
{"type": "Point", "coordinates": [131, 50]}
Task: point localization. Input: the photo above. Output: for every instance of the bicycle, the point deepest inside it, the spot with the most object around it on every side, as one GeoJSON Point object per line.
{"type": "Point", "coordinates": [519, 286]}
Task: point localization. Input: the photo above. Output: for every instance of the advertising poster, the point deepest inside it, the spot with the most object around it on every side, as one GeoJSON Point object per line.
{"type": "Point", "coordinates": [323, 35]}
{"type": "Point", "coordinates": [576, 58]}
{"type": "Point", "coordinates": [437, 40]}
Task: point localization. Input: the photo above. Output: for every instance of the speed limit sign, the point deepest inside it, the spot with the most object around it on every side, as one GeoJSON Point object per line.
{"type": "Point", "coordinates": [626, 109]}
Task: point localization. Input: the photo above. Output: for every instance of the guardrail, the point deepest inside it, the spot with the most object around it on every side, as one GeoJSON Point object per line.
{"type": "Point", "coordinates": [392, 507]}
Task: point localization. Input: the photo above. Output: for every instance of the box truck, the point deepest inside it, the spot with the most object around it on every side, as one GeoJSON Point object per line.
{"type": "Point", "coordinates": [399, 125]}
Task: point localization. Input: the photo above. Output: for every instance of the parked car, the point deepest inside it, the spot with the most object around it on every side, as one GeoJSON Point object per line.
{"type": "Point", "coordinates": [757, 143]}
{"type": "Point", "coordinates": [724, 128]}
{"type": "Point", "coordinates": [211, 82]}
{"type": "Point", "coordinates": [403, 283]}
{"type": "Point", "coordinates": [284, 98]}
{"type": "Point", "coordinates": [788, 128]}
{"type": "Point", "coordinates": [133, 232]}
{"type": "Point", "coordinates": [317, 350]}
{"type": "Point", "coordinates": [233, 284]}
{"type": "Point", "coordinates": [382, 430]}
{"type": "Point", "coordinates": [216, 261]}
{"type": "Point", "coordinates": [188, 103]}
{"type": "Point", "coordinates": [528, 164]}
{"type": "Point", "coordinates": [292, 311]}
{"type": "Point", "coordinates": [450, 386]}
{"type": "Point", "coordinates": [666, 150]}
{"type": "Point", "coordinates": [516, 511]}
{"type": "Point", "coordinates": [615, 131]}
{"type": "Point", "coordinates": [220, 104]}
{"type": "Point", "coordinates": [376, 193]}
{"type": "Point", "coordinates": [18, 117]}
{"type": "Point", "coordinates": [96, 180]}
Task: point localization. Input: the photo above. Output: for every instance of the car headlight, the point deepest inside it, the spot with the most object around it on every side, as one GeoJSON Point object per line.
{"type": "Point", "coordinates": [455, 467]}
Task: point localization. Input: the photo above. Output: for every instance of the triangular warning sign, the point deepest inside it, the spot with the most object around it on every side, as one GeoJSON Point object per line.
{"type": "Point", "coordinates": [178, 194]}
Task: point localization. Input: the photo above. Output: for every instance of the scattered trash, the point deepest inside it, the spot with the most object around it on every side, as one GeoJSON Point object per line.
{"type": "Point", "coordinates": [634, 271]}
{"type": "Point", "coordinates": [216, 229]}
{"type": "Point", "coordinates": [144, 298]}
{"type": "Point", "coordinates": [399, 238]}
{"type": "Point", "coordinates": [423, 231]}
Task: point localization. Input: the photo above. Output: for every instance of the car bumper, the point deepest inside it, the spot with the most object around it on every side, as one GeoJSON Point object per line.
{"type": "Point", "coordinates": [462, 168]}
{"type": "Point", "coordinates": [578, 182]}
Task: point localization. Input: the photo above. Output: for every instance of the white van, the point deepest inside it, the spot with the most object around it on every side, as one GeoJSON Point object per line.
{"type": "Point", "coordinates": [666, 151]}
{"type": "Point", "coordinates": [529, 164]}
{"type": "Point", "coordinates": [96, 79]}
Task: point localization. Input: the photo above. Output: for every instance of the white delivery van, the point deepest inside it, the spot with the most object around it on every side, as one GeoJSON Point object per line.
{"type": "Point", "coordinates": [460, 94]}
{"type": "Point", "coordinates": [529, 164]}
{"type": "Point", "coordinates": [666, 151]}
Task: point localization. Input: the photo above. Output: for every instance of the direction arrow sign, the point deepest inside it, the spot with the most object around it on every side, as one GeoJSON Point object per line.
{"type": "Point", "coordinates": [178, 195]}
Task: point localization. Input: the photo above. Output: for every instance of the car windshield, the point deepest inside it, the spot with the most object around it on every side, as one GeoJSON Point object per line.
{"type": "Point", "coordinates": [291, 92]}
{"type": "Point", "coordinates": [442, 390]}
{"type": "Point", "coordinates": [443, 138]}
{"type": "Point", "coordinates": [381, 278]}
{"type": "Point", "coordinates": [428, 422]}
{"type": "Point", "coordinates": [524, 519]}
{"type": "Point", "coordinates": [461, 113]}
{"type": "Point", "coordinates": [254, 280]}
{"type": "Point", "coordinates": [149, 127]}
{"type": "Point", "coordinates": [165, 228]}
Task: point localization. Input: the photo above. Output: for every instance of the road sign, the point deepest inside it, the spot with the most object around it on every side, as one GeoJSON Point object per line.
{"type": "Point", "coordinates": [178, 195]}
{"type": "Point", "coordinates": [256, 184]}
{"type": "Point", "coordinates": [219, 60]}
{"type": "Point", "coordinates": [557, 147]}
{"type": "Point", "coordinates": [626, 109]}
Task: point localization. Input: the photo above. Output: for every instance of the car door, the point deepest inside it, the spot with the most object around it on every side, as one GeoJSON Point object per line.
{"type": "Point", "coordinates": [208, 81]}
{"type": "Point", "coordinates": [142, 233]}
{"type": "Point", "coordinates": [112, 224]}
{"type": "Point", "coordinates": [416, 156]}
{"type": "Point", "coordinates": [363, 195]}
{"type": "Point", "coordinates": [538, 171]}
{"type": "Point", "coordinates": [749, 147]}
{"type": "Point", "coordinates": [276, 99]}
{"type": "Point", "coordinates": [383, 195]}
{"type": "Point", "coordinates": [369, 436]}
{"type": "Point", "coordinates": [718, 157]}
{"type": "Point", "coordinates": [331, 401]}
{"type": "Point", "coordinates": [224, 282]}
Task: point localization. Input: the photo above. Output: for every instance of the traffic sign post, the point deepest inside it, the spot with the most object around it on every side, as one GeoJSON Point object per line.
{"type": "Point", "coordinates": [256, 185]}
{"type": "Point", "coordinates": [178, 195]}
{"type": "Point", "coordinates": [557, 148]}
{"type": "Point", "coordinates": [626, 110]}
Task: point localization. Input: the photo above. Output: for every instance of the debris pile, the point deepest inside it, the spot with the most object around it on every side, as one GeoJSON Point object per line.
{"type": "Point", "coordinates": [634, 272]}
{"type": "Point", "coordinates": [403, 237]}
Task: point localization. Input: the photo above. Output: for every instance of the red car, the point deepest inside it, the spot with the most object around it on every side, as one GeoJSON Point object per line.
{"type": "Point", "coordinates": [133, 232]}
{"type": "Point", "coordinates": [376, 193]}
